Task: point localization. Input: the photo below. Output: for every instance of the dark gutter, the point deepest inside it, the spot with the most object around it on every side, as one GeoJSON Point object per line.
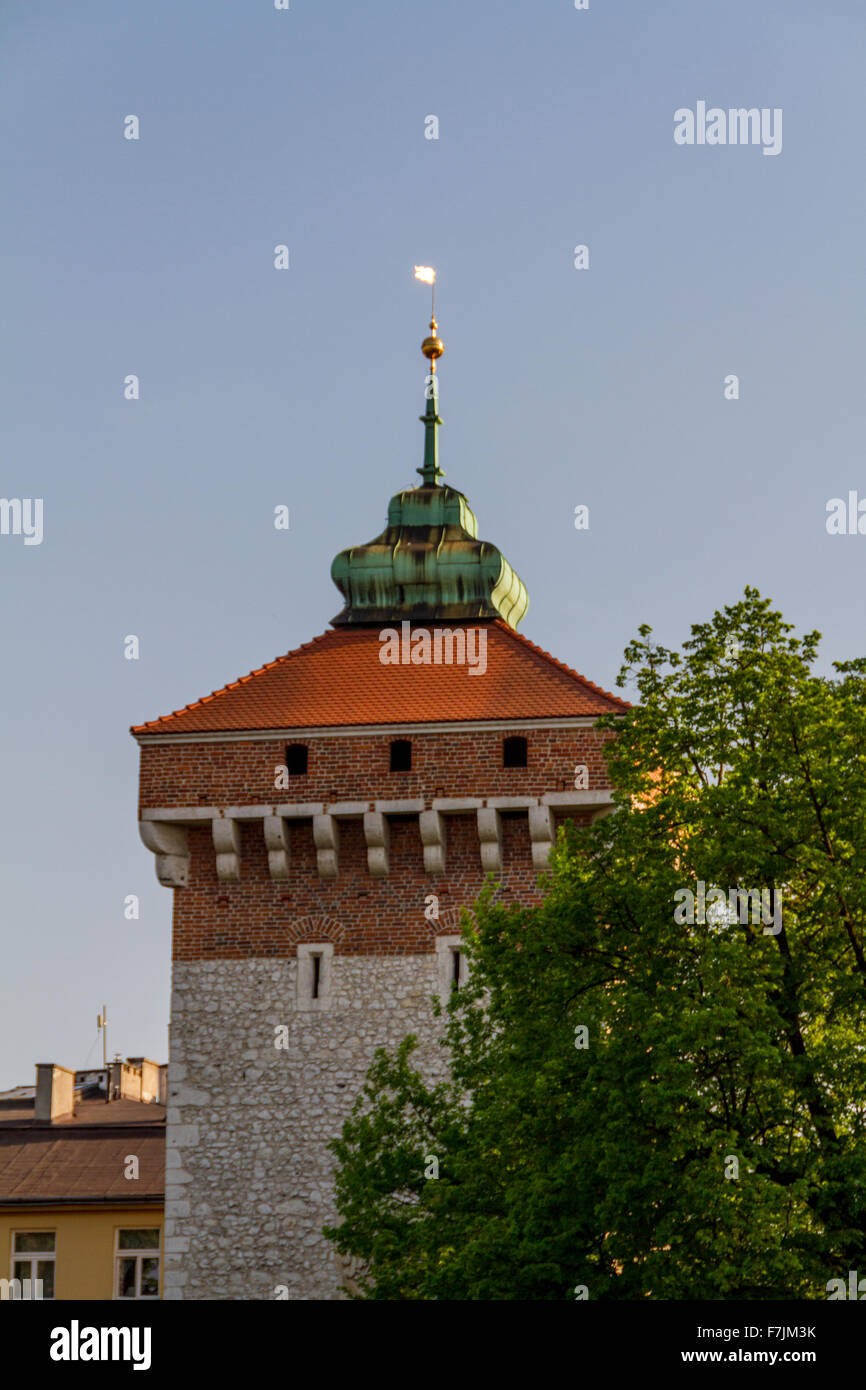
{"type": "Point", "coordinates": [150, 1197]}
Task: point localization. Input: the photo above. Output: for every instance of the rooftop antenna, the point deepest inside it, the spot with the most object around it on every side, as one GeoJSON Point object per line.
{"type": "Point", "coordinates": [102, 1022]}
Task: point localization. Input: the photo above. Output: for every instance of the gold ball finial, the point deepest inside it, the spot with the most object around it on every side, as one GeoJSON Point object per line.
{"type": "Point", "coordinates": [433, 346]}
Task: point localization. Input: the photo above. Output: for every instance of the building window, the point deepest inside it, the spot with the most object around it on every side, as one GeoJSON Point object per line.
{"type": "Point", "coordinates": [136, 1265]}
{"type": "Point", "coordinates": [33, 1256]}
{"type": "Point", "coordinates": [401, 755]}
{"type": "Point", "coordinates": [452, 966]}
{"type": "Point", "coordinates": [314, 976]}
{"type": "Point", "coordinates": [514, 752]}
{"type": "Point", "coordinates": [296, 759]}
{"type": "Point", "coordinates": [456, 964]}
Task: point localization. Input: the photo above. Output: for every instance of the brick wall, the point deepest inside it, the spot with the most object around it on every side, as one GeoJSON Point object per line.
{"type": "Point", "coordinates": [259, 917]}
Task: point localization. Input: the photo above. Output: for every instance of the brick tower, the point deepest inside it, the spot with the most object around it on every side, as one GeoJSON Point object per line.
{"type": "Point", "coordinates": [322, 821]}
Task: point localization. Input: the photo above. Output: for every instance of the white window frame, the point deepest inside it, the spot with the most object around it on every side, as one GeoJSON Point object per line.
{"type": "Point", "coordinates": [21, 1257]}
{"type": "Point", "coordinates": [445, 948]}
{"type": "Point", "coordinates": [137, 1253]}
{"type": "Point", "coordinates": [306, 951]}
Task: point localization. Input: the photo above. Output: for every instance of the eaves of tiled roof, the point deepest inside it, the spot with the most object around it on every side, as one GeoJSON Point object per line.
{"type": "Point", "coordinates": [338, 680]}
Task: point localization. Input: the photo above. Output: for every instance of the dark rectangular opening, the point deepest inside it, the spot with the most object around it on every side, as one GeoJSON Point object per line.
{"type": "Point", "coordinates": [514, 752]}
{"type": "Point", "coordinates": [401, 755]}
{"type": "Point", "coordinates": [296, 759]}
{"type": "Point", "coordinates": [317, 975]}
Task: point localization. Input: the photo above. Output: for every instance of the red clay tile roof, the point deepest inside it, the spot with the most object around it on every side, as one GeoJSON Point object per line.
{"type": "Point", "coordinates": [338, 679]}
{"type": "Point", "coordinates": [83, 1157]}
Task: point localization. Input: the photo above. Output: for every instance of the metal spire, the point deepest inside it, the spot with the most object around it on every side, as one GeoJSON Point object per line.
{"type": "Point", "coordinates": [432, 348]}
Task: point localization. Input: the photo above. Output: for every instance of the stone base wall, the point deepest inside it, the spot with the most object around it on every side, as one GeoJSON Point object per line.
{"type": "Point", "coordinates": [248, 1173]}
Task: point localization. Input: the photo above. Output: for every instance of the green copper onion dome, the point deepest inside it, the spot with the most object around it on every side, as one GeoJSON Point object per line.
{"type": "Point", "coordinates": [428, 563]}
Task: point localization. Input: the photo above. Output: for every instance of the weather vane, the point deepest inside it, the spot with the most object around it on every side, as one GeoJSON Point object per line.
{"type": "Point", "coordinates": [433, 346]}
{"type": "Point", "coordinates": [427, 274]}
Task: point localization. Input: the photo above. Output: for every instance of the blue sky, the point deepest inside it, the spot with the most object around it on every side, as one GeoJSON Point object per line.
{"type": "Point", "coordinates": [559, 387]}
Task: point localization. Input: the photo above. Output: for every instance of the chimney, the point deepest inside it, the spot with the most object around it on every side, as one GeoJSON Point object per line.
{"type": "Point", "coordinates": [149, 1070]}
{"type": "Point", "coordinates": [55, 1092]}
{"type": "Point", "coordinates": [124, 1080]}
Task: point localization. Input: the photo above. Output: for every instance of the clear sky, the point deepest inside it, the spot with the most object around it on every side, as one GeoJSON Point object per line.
{"type": "Point", "coordinates": [258, 387]}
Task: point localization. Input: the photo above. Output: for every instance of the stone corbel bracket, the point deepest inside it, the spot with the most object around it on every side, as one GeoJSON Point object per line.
{"type": "Point", "coordinates": [170, 844]}
{"type": "Point", "coordinates": [432, 826]}
{"type": "Point", "coordinates": [277, 845]}
{"type": "Point", "coordinates": [542, 833]}
{"type": "Point", "coordinates": [227, 843]}
{"type": "Point", "coordinates": [490, 836]}
{"type": "Point", "coordinates": [326, 838]}
{"type": "Point", "coordinates": [378, 838]}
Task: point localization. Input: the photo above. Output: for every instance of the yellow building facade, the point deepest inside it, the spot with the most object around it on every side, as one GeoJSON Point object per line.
{"type": "Point", "coordinates": [93, 1254]}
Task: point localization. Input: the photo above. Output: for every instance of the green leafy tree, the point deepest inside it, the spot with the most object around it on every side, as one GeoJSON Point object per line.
{"type": "Point", "coordinates": [709, 1139]}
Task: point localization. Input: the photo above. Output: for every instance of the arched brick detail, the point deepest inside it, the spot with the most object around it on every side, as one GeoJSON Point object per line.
{"type": "Point", "coordinates": [449, 922]}
{"type": "Point", "coordinates": [314, 929]}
